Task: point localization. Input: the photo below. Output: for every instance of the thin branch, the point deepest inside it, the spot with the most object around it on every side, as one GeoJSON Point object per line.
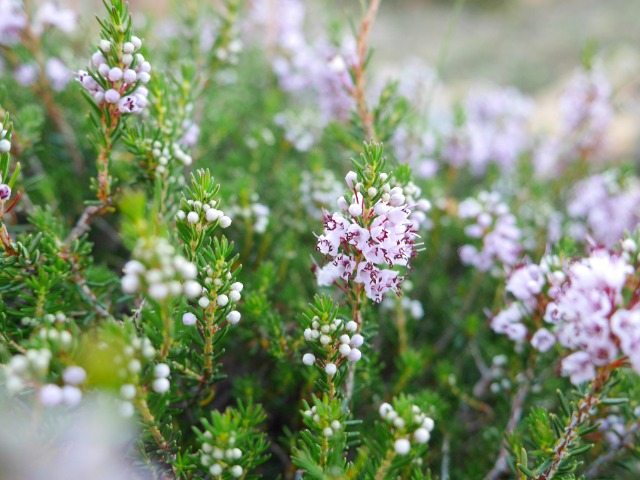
{"type": "Point", "coordinates": [570, 434]}
{"type": "Point", "coordinates": [359, 91]}
{"type": "Point", "coordinates": [501, 467]}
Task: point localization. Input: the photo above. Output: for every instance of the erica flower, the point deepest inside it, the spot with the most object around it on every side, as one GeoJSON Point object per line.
{"type": "Point", "coordinates": [369, 238]}
{"type": "Point", "coordinates": [590, 307]}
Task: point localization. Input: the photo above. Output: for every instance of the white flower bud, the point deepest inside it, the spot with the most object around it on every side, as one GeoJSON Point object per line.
{"type": "Point", "coordinates": [237, 286]}
{"type": "Point", "coordinates": [428, 424]}
{"type": "Point", "coordinates": [398, 422]}
{"type": "Point", "coordinates": [421, 435]}
{"type": "Point", "coordinates": [50, 395]}
{"type": "Point", "coordinates": [130, 284]}
{"type": "Point", "coordinates": [345, 338]}
{"type": "Point", "coordinates": [128, 391]}
{"type": "Point", "coordinates": [325, 339]}
{"type": "Point", "coordinates": [128, 47]}
{"type": "Point", "coordinates": [126, 410]}
{"type": "Point", "coordinates": [193, 217]}
{"type": "Point", "coordinates": [354, 355]}
{"type": "Point", "coordinates": [213, 215]}
{"type": "Point", "coordinates": [331, 369]}
{"type": "Point", "coordinates": [71, 396]}
{"type": "Point", "coordinates": [105, 45]}
{"type": "Point", "coordinates": [236, 471]}
{"type": "Point", "coordinates": [327, 432]}
{"type": "Point", "coordinates": [127, 59]}
{"type": "Point", "coordinates": [351, 179]}
{"type": "Point", "coordinates": [233, 317]}
{"type": "Point", "coordinates": [402, 446]}
{"type": "Point", "coordinates": [235, 295]}
{"type": "Point", "coordinates": [5, 145]}
{"type": "Point", "coordinates": [189, 319]}
{"type": "Point", "coordinates": [335, 425]}
{"type": "Point", "coordinates": [111, 96]}
{"type": "Point", "coordinates": [344, 349]}
{"type": "Point", "coordinates": [351, 326]}
{"type": "Point", "coordinates": [237, 453]}
{"type": "Point", "coordinates": [130, 76]}
{"type": "Point", "coordinates": [192, 288]}
{"type": "Point", "coordinates": [158, 291]}
{"type": "Point", "coordinates": [357, 340]}
{"type": "Point", "coordinates": [222, 300]}
{"type": "Point", "coordinates": [215, 469]}
{"type": "Point", "coordinates": [372, 192]}
{"type": "Point", "coordinates": [144, 77]}
{"type": "Point", "coordinates": [342, 203]}
{"type": "Point", "coordinates": [308, 359]}
{"type": "Point", "coordinates": [355, 209]}
{"type": "Point", "coordinates": [204, 302]}
{"type": "Point", "coordinates": [74, 375]}
{"type": "Point", "coordinates": [137, 43]}
{"type": "Point", "coordinates": [98, 59]}
{"type": "Point", "coordinates": [161, 385]}
{"type": "Point", "coordinates": [161, 370]}
{"type": "Point", "coordinates": [115, 74]}
{"type": "Point", "coordinates": [218, 454]}
{"type": "Point", "coordinates": [384, 409]}
{"type": "Point", "coordinates": [225, 221]}
{"type": "Point", "coordinates": [104, 70]}
{"type": "Point", "coordinates": [628, 245]}
{"type": "Point", "coordinates": [134, 366]}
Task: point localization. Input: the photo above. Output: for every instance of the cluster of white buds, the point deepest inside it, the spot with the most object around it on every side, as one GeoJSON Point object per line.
{"type": "Point", "coordinates": [52, 395]}
{"type": "Point", "coordinates": [117, 79]}
{"type": "Point", "coordinates": [231, 53]}
{"type": "Point", "coordinates": [57, 338]}
{"type": "Point", "coordinates": [420, 206]}
{"type": "Point", "coordinates": [28, 370]}
{"type": "Point", "coordinates": [139, 351]}
{"type": "Point", "coordinates": [256, 212]}
{"type": "Point", "coordinates": [215, 297]}
{"type": "Point", "coordinates": [206, 212]}
{"type": "Point", "coordinates": [338, 340]}
{"type": "Point", "coordinates": [328, 426]}
{"type": "Point", "coordinates": [499, 380]}
{"type": "Point", "coordinates": [161, 382]}
{"type": "Point", "coordinates": [161, 271]}
{"type": "Point", "coordinates": [412, 423]}
{"type": "Point", "coordinates": [58, 318]}
{"type": "Point", "coordinates": [220, 456]}
{"type": "Point", "coordinates": [165, 154]}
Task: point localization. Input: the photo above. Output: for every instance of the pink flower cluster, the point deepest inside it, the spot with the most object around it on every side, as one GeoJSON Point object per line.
{"type": "Point", "coordinates": [119, 81]}
{"type": "Point", "coordinates": [367, 239]}
{"type": "Point", "coordinates": [312, 69]}
{"type": "Point", "coordinates": [12, 21]}
{"type": "Point", "coordinates": [590, 306]}
{"type": "Point", "coordinates": [496, 131]}
{"type": "Point", "coordinates": [604, 206]}
{"type": "Point", "coordinates": [587, 112]}
{"type": "Point", "coordinates": [496, 227]}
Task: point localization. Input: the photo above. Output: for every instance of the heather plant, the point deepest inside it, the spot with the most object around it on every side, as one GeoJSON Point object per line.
{"type": "Point", "coordinates": [232, 249]}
